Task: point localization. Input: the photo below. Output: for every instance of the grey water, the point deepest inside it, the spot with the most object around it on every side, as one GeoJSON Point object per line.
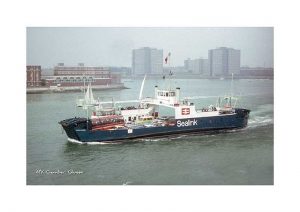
{"type": "Point", "coordinates": [237, 157]}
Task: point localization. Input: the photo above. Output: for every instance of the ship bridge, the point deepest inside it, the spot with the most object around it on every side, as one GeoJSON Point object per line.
{"type": "Point", "coordinates": [167, 97]}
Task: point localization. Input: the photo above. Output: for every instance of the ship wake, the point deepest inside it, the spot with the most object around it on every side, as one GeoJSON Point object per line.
{"type": "Point", "coordinates": [93, 143]}
{"type": "Point", "coordinates": [262, 116]}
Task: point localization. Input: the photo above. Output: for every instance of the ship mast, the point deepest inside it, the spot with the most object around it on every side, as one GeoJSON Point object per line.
{"type": "Point", "coordinates": [170, 73]}
{"type": "Point", "coordinates": [168, 61]}
{"type": "Point", "coordinates": [84, 83]}
{"type": "Point", "coordinates": [231, 84]}
{"type": "Point", "coordinates": [231, 88]}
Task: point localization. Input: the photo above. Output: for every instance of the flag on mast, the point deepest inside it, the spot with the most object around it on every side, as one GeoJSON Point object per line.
{"type": "Point", "coordinates": [167, 58]}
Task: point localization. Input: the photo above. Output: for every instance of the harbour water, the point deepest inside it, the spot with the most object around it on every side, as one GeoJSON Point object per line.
{"type": "Point", "coordinates": [238, 157]}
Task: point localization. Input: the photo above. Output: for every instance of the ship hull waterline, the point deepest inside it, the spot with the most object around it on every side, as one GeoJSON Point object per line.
{"type": "Point", "coordinates": [77, 129]}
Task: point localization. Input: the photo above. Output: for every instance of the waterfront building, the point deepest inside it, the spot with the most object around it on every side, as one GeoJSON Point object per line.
{"type": "Point", "coordinates": [223, 61]}
{"type": "Point", "coordinates": [33, 73]}
{"type": "Point", "coordinates": [197, 66]}
{"type": "Point", "coordinates": [147, 60]}
{"type": "Point", "coordinates": [78, 75]}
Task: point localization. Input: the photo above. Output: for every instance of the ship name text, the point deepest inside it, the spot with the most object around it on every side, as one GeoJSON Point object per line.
{"type": "Point", "coordinates": [187, 123]}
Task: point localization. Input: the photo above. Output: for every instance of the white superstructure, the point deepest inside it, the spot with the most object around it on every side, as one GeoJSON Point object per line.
{"type": "Point", "coordinates": [182, 109]}
{"type": "Point", "coordinates": [149, 107]}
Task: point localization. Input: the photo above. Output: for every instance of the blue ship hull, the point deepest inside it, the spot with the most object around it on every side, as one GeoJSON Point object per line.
{"type": "Point", "coordinates": [79, 128]}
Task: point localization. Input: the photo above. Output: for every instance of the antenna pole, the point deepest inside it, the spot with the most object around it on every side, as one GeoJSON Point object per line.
{"type": "Point", "coordinates": [231, 84]}
{"type": "Point", "coordinates": [170, 73]}
{"type": "Point", "coordinates": [87, 117]}
{"type": "Point", "coordinates": [84, 83]}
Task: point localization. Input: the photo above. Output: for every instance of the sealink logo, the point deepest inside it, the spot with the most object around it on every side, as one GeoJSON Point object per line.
{"type": "Point", "coordinates": [187, 123]}
{"type": "Point", "coordinates": [185, 111]}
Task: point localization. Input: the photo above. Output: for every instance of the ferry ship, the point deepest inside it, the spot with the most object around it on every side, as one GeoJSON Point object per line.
{"type": "Point", "coordinates": [115, 123]}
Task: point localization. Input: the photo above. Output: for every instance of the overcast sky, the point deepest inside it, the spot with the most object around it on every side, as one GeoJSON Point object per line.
{"type": "Point", "coordinates": [112, 46]}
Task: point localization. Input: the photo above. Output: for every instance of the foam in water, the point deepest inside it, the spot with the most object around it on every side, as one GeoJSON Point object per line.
{"type": "Point", "coordinates": [259, 121]}
{"type": "Point", "coordinates": [92, 143]}
{"type": "Point", "coordinates": [262, 116]}
{"type": "Point", "coordinates": [127, 183]}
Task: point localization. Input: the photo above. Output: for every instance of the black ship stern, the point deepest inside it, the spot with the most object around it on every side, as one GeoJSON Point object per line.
{"type": "Point", "coordinates": [243, 113]}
